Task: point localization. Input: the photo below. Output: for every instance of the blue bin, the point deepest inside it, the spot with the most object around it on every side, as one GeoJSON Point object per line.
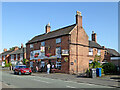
{"type": "Point", "coordinates": [98, 72]}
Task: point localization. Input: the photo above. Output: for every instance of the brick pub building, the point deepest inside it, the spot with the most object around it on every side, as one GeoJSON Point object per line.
{"type": "Point", "coordinates": [68, 48]}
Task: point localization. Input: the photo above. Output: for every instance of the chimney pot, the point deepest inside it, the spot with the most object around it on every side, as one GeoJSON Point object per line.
{"type": "Point", "coordinates": [94, 36]}
{"type": "Point", "coordinates": [48, 28]}
{"type": "Point", "coordinates": [78, 19]}
{"type": "Point", "coordinates": [5, 49]}
{"type": "Point", "coordinates": [21, 45]}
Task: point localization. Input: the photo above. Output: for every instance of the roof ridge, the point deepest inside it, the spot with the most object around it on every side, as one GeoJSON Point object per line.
{"type": "Point", "coordinates": [57, 29]}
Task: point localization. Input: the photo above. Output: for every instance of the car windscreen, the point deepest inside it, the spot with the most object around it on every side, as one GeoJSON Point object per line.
{"type": "Point", "coordinates": [22, 66]}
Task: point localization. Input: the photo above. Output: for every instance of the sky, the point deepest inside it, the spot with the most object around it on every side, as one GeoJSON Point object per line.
{"type": "Point", "coordinates": [21, 21]}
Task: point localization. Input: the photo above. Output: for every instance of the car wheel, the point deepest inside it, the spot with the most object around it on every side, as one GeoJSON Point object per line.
{"type": "Point", "coordinates": [20, 73]}
{"type": "Point", "coordinates": [30, 74]}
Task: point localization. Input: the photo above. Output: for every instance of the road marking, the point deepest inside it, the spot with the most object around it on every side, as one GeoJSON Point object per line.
{"type": "Point", "coordinates": [70, 87]}
{"type": "Point", "coordinates": [41, 81]}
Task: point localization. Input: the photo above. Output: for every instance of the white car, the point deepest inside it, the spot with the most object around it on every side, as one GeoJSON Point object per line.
{"type": "Point", "coordinates": [3, 64]}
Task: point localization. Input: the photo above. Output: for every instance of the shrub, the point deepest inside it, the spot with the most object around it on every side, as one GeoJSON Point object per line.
{"type": "Point", "coordinates": [109, 68]}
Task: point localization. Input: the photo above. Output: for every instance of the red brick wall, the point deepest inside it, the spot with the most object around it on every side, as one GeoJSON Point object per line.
{"type": "Point", "coordinates": [52, 43]}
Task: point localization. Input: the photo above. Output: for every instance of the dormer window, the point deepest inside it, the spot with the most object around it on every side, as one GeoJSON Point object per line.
{"type": "Point", "coordinates": [58, 40]}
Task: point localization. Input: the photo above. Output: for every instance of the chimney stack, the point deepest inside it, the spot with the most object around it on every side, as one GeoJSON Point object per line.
{"type": "Point", "coordinates": [16, 48]}
{"type": "Point", "coordinates": [78, 19]}
{"type": "Point", "coordinates": [21, 45]}
{"type": "Point", "coordinates": [48, 28]}
{"type": "Point", "coordinates": [5, 49]}
{"type": "Point", "coordinates": [94, 36]}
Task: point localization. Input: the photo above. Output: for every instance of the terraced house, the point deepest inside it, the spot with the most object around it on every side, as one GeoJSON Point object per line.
{"type": "Point", "coordinates": [14, 56]}
{"type": "Point", "coordinates": [68, 48]}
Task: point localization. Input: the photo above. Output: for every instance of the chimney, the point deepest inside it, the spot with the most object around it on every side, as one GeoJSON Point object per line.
{"type": "Point", "coordinates": [5, 49]}
{"type": "Point", "coordinates": [94, 36]}
{"type": "Point", "coordinates": [48, 28]}
{"type": "Point", "coordinates": [21, 45]}
{"type": "Point", "coordinates": [78, 19]}
{"type": "Point", "coordinates": [16, 48]}
{"type": "Point", "coordinates": [103, 47]}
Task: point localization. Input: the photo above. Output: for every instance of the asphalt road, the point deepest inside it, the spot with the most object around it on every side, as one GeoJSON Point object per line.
{"type": "Point", "coordinates": [27, 81]}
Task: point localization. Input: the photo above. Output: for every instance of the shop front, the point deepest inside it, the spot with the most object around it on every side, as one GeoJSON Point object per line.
{"type": "Point", "coordinates": [39, 60]}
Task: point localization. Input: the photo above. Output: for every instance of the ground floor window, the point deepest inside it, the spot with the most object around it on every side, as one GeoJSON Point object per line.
{"type": "Point", "coordinates": [58, 65]}
{"type": "Point", "coordinates": [90, 61]}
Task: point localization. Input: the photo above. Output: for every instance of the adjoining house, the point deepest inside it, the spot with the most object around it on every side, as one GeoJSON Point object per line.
{"type": "Point", "coordinates": [112, 56]}
{"type": "Point", "coordinates": [96, 49]}
{"type": "Point", "coordinates": [15, 55]}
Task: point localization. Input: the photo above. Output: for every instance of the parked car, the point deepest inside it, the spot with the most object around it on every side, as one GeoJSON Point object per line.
{"type": "Point", "coordinates": [22, 69]}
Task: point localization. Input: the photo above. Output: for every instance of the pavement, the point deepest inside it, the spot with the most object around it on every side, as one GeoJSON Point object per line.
{"type": "Point", "coordinates": [107, 80]}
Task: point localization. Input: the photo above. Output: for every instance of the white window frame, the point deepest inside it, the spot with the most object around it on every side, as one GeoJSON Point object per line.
{"type": "Point", "coordinates": [90, 61]}
{"type": "Point", "coordinates": [91, 51]}
{"type": "Point", "coordinates": [21, 57]}
{"type": "Point", "coordinates": [12, 57]}
{"type": "Point", "coordinates": [16, 57]}
{"type": "Point", "coordinates": [58, 64]}
{"type": "Point", "coordinates": [31, 45]}
{"type": "Point", "coordinates": [57, 51]}
{"type": "Point", "coordinates": [4, 57]}
{"type": "Point", "coordinates": [58, 40]}
{"type": "Point", "coordinates": [43, 43]}
{"type": "Point", "coordinates": [98, 52]}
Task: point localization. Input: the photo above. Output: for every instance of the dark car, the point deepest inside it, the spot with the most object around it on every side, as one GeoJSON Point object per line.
{"type": "Point", "coordinates": [22, 69]}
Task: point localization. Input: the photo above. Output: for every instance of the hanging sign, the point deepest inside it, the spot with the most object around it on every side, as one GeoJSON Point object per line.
{"type": "Point", "coordinates": [65, 52]}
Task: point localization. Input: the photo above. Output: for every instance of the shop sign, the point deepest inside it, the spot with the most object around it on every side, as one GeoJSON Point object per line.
{"type": "Point", "coordinates": [65, 52]}
{"type": "Point", "coordinates": [35, 54]}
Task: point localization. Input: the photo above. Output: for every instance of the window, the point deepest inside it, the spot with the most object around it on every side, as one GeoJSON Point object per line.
{"type": "Point", "coordinates": [16, 57]}
{"type": "Point", "coordinates": [42, 43]}
{"type": "Point", "coordinates": [90, 61]}
{"type": "Point", "coordinates": [98, 52]}
{"type": "Point", "coordinates": [31, 45]}
{"type": "Point", "coordinates": [90, 51]}
{"type": "Point", "coordinates": [58, 50]}
{"type": "Point", "coordinates": [98, 61]}
{"type": "Point", "coordinates": [21, 56]}
{"type": "Point", "coordinates": [3, 57]}
{"type": "Point", "coordinates": [12, 57]}
{"type": "Point", "coordinates": [58, 65]}
{"type": "Point", "coordinates": [58, 40]}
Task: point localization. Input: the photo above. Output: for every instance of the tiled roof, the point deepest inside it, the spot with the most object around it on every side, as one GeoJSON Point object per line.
{"type": "Point", "coordinates": [93, 44]}
{"type": "Point", "coordinates": [19, 51]}
{"type": "Point", "coordinates": [6, 52]}
{"type": "Point", "coordinates": [62, 31]}
{"type": "Point", "coordinates": [113, 52]}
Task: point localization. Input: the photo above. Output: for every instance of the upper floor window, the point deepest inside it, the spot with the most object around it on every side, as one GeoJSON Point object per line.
{"type": "Point", "coordinates": [98, 52]}
{"type": "Point", "coordinates": [58, 50]}
{"type": "Point", "coordinates": [31, 45]}
{"type": "Point", "coordinates": [58, 40]}
{"type": "Point", "coordinates": [90, 51]}
{"type": "Point", "coordinates": [42, 43]}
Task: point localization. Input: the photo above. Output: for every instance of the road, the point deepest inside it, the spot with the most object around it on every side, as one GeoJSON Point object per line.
{"type": "Point", "coordinates": [28, 81]}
